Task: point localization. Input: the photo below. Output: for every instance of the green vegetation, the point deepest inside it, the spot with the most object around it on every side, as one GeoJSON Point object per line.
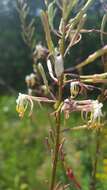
{"type": "Point", "coordinates": [27, 145]}
{"type": "Point", "coordinates": [24, 159]}
{"type": "Point", "coordinates": [21, 149]}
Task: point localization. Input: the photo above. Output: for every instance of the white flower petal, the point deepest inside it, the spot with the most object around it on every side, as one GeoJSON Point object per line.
{"type": "Point", "coordinates": [49, 65]}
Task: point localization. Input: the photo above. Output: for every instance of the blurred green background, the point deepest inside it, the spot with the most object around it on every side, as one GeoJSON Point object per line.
{"type": "Point", "coordinates": [24, 159]}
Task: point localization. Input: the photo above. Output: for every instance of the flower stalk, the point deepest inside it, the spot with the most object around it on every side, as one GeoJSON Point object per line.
{"type": "Point", "coordinates": [58, 125]}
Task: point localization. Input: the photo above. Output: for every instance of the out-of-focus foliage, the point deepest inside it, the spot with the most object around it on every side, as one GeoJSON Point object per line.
{"type": "Point", "coordinates": [15, 58]}
{"type": "Point", "coordinates": [21, 161]}
{"type": "Point", "coordinates": [24, 162]}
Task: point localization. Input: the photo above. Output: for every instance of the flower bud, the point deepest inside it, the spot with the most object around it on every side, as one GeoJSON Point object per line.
{"type": "Point", "coordinates": [27, 80]}
{"type": "Point", "coordinates": [42, 72]}
{"type": "Point", "coordinates": [59, 65]}
{"type": "Point", "coordinates": [32, 79]}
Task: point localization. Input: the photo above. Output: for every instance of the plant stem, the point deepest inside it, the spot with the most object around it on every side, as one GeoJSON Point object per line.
{"type": "Point", "coordinates": [92, 57]}
{"type": "Point", "coordinates": [58, 124]}
{"type": "Point", "coordinates": [93, 177]}
{"type": "Point", "coordinates": [56, 151]}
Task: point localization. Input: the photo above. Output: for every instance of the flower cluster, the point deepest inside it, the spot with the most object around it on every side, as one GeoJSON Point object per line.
{"type": "Point", "coordinates": [91, 108]}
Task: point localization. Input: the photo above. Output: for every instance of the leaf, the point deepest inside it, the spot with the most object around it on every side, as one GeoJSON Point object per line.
{"type": "Point", "coordinates": [51, 13]}
{"type": "Point", "coordinates": [70, 6]}
{"type": "Point", "coordinates": [45, 22]}
{"type": "Point", "coordinates": [91, 58]}
{"type": "Point", "coordinates": [73, 22]}
{"type": "Point", "coordinates": [31, 24]}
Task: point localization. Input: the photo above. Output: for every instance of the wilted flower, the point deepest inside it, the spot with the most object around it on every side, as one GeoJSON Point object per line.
{"type": "Point", "coordinates": [40, 51]}
{"type": "Point", "coordinates": [92, 110]}
{"type": "Point", "coordinates": [68, 106]}
{"type": "Point", "coordinates": [96, 113]}
{"type": "Point", "coordinates": [22, 104]}
{"type": "Point", "coordinates": [93, 114]}
{"type": "Point", "coordinates": [23, 100]}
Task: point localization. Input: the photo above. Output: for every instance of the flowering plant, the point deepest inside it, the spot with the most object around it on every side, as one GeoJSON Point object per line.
{"type": "Point", "coordinates": [42, 83]}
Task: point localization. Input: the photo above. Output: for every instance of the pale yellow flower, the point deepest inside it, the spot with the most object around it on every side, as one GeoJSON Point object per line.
{"type": "Point", "coordinates": [74, 88]}
{"type": "Point", "coordinates": [22, 103]}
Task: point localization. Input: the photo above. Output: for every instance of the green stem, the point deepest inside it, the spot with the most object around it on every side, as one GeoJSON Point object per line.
{"type": "Point", "coordinates": [58, 116]}
{"type": "Point", "coordinates": [93, 57]}
{"type": "Point", "coordinates": [93, 177]}
{"type": "Point", "coordinates": [56, 151]}
{"type": "Point", "coordinates": [58, 124]}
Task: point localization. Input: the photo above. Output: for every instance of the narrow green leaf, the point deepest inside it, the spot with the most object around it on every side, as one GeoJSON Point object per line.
{"type": "Point", "coordinates": [45, 22]}
{"type": "Point", "coordinates": [93, 57]}
{"type": "Point", "coordinates": [51, 13]}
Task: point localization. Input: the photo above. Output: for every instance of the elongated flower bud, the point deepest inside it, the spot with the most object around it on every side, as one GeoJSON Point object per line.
{"type": "Point", "coordinates": [41, 69]}
{"type": "Point", "coordinates": [59, 65]}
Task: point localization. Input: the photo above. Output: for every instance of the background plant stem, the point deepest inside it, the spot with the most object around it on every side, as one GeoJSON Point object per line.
{"type": "Point", "coordinates": [93, 177]}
